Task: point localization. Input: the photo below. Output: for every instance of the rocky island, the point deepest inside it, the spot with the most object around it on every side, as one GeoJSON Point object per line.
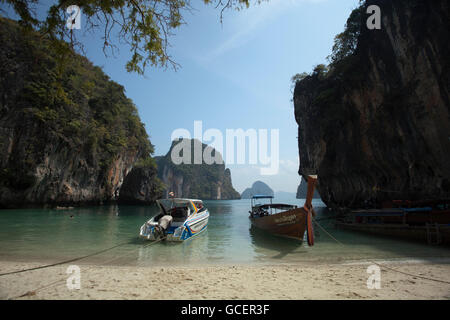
{"type": "Point", "coordinates": [200, 181]}
{"type": "Point", "coordinates": [258, 187]}
{"type": "Point", "coordinates": [302, 190]}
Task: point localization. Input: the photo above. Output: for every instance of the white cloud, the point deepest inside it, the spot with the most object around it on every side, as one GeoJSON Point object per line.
{"type": "Point", "coordinates": [245, 23]}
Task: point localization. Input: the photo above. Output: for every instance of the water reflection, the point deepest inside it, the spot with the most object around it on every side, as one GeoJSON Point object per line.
{"type": "Point", "coordinates": [263, 241]}
{"type": "Point", "coordinates": [43, 234]}
{"type": "Point", "coordinates": [173, 253]}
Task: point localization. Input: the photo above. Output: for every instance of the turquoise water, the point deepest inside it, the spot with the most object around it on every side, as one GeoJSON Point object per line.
{"type": "Point", "coordinates": [54, 235]}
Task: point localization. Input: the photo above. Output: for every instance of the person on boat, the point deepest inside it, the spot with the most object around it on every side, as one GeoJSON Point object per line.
{"type": "Point", "coordinates": [262, 212]}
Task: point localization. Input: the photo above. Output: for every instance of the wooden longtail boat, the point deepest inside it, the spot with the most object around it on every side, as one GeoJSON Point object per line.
{"type": "Point", "coordinates": [284, 219]}
{"type": "Point", "coordinates": [420, 220]}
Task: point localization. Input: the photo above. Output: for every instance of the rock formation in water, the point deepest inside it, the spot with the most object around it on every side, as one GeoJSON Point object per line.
{"type": "Point", "coordinates": [258, 187]}
{"type": "Point", "coordinates": [376, 127]}
{"type": "Point", "coordinates": [302, 191]}
{"type": "Point", "coordinates": [68, 134]}
{"type": "Point", "coordinates": [195, 180]}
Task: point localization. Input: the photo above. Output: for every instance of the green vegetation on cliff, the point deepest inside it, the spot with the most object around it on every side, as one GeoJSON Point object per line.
{"type": "Point", "coordinates": [61, 124]}
{"type": "Point", "coordinates": [203, 181]}
{"type": "Point", "coordinates": [144, 25]}
{"type": "Point", "coordinates": [257, 188]}
{"type": "Point", "coordinates": [374, 124]}
{"type": "Point", "coordinates": [343, 51]}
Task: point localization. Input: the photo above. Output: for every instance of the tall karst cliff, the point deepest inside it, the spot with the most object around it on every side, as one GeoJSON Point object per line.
{"type": "Point", "coordinates": [302, 191]}
{"type": "Point", "coordinates": [191, 180]}
{"type": "Point", "coordinates": [141, 185]}
{"type": "Point", "coordinates": [376, 127]}
{"type": "Point", "coordinates": [68, 134]}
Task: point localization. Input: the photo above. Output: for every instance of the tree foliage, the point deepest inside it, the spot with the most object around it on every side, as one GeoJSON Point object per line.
{"type": "Point", "coordinates": [203, 179]}
{"type": "Point", "coordinates": [345, 42]}
{"type": "Point", "coordinates": [344, 47]}
{"type": "Point", "coordinates": [320, 71]}
{"type": "Point", "coordinates": [80, 108]}
{"type": "Point", "coordinates": [144, 25]}
{"type": "Point", "coordinates": [297, 77]}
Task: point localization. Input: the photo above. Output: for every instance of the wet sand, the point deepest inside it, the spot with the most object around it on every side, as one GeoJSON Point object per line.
{"type": "Point", "coordinates": [294, 281]}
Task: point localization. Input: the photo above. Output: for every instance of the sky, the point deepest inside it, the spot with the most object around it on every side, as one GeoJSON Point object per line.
{"type": "Point", "coordinates": [234, 74]}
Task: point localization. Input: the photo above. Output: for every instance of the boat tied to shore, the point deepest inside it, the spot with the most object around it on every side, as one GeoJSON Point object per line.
{"type": "Point", "coordinates": [284, 219]}
{"type": "Point", "coordinates": [178, 220]}
{"type": "Point", "coordinates": [424, 220]}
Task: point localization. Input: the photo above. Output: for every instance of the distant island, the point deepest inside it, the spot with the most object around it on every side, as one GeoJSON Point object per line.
{"type": "Point", "coordinates": [302, 190]}
{"type": "Point", "coordinates": [284, 195]}
{"type": "Point", "coordinates": [202, 181]}
{"type": "Point", "coordinates": [258, 187]}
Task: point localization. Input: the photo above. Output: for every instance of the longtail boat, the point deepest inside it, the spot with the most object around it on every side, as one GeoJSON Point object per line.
{"type": "Point", "coordinates": [284, 219]}
{"type": "Point", "coordinates": [425, 220]}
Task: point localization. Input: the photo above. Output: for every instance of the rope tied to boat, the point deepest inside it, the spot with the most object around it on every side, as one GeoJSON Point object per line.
{"type": "Point", "coordinates": [33, 292]}
{"type": "Point", "coordinates": [380, 265]}
{"type": "Point", "coordinates": [62, 262]}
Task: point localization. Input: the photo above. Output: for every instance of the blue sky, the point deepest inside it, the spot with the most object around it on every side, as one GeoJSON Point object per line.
{"type": "Point", "coordinates": [233, 75]}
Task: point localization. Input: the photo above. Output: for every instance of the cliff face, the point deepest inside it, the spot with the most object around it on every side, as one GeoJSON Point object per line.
{"type": "Point", "coordinates": [258, 187]}
{"type": "Point", "coordinates": [202, 181]}
{"type": "Point", "coordinates": [302, 191]}
{"type": "Point", "coordinates": [141, 186]}
{"type": "Point", "coordinates": [68, 134]}
{"type": "Point", "coordinates": [378, 127]}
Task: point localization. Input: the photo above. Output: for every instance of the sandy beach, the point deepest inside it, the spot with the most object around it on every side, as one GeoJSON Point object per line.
{"type": "Point", "coordinates": [327, 281]}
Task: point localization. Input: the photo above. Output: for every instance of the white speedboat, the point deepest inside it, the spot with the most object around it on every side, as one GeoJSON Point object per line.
{"type": "Point", "coordinates": [178, 220]}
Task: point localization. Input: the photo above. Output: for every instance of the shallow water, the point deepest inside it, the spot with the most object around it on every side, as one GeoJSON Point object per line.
{"type": "Point", "coordinates": [54, 235]}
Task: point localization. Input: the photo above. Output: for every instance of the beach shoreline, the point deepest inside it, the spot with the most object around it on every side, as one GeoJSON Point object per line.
{"type": "Point", "coordinates": [239, 281]}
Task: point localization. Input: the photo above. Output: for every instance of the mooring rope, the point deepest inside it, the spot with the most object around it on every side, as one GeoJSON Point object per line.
{"type": "Point", "coordinates": [63, 262]}
{"type": "Point", "coordinates": [380, 265]}
{"type": "Point", "coordinates": [33, 292]}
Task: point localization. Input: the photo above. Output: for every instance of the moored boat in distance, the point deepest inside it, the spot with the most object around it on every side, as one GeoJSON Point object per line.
{"type": "Point", "coordinates": [284, 219]}
{"type": "Point", "coordinates": [178, 220]}
{"type": "Point", "coordinates": [427, 220]}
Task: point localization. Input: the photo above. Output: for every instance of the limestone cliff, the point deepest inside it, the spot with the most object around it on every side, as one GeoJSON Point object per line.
{"type": "Point", "coordinates": [141, 186]}
{"type": "Point", "coordinates": [190, 180]}
{"type": "Point", "coordinates": [377, 126]}
{"type": "Point", "coordinates": [302, 191]}
{"type": "Point", "coordinates": [68, 134]}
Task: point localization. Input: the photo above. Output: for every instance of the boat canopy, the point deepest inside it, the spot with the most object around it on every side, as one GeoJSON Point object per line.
{"type": "Point", "coordinates": [260, 196]}
{"type": "Point", "coordinates": [167, 204]}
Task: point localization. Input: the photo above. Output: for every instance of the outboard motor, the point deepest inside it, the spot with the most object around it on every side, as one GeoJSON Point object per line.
{"type": "Point", "coordinates": [163, 225]}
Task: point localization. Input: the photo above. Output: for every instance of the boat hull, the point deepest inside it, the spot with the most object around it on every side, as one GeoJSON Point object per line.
{"type": "Point", "coordinates": [290, 224]}
{"type": "Point", "coordinates": [420, 233]}
{"type": "Point", "coordinates": [411, 216]}
{"type": "Point", "coordinates": [192, 227]}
